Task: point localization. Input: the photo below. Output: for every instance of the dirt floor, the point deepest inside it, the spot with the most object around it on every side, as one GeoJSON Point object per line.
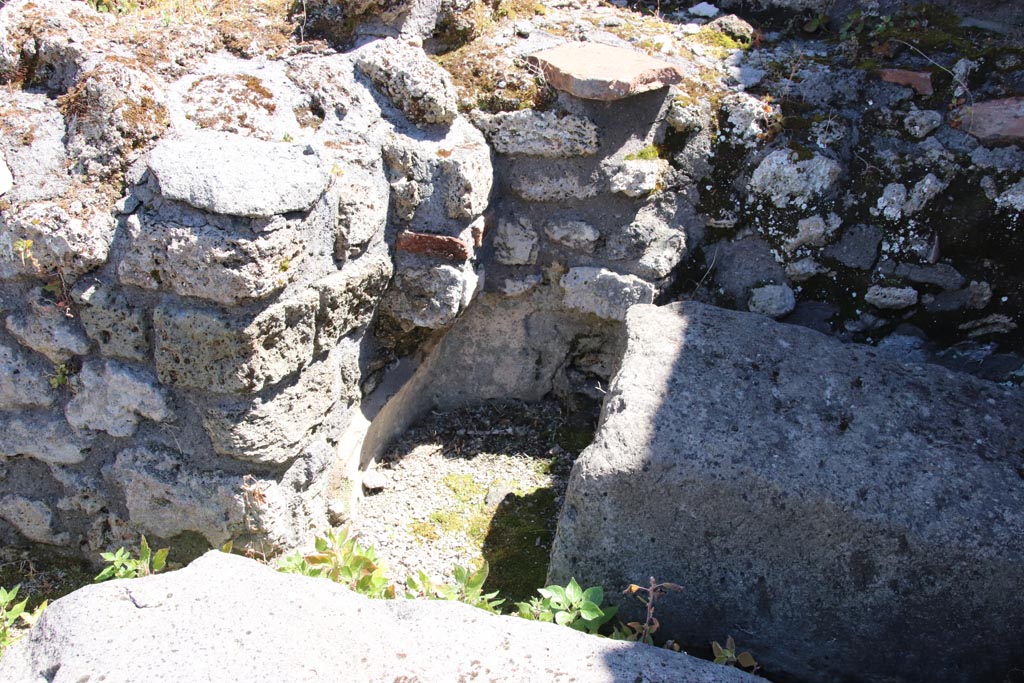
{"type": "Point", "coordinates": [482, 483]}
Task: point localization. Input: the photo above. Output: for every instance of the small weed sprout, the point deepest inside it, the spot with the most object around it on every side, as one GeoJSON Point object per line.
{"type": "Point", "coordinates": [121, 564]}
{"type": "Point", "coordinates": [643, 632]}
{"type": "Point", "coordinates": [468, 588]}
{"type": "Point", "coordinates": [727, 655]}
{"type": "Point", "coordinates": [60, 376]}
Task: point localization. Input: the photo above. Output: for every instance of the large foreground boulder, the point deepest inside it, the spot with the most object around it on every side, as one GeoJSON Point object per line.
{"type": "Point", "coordinates": [226, 618]}
{"type": "Point", "coordinates": [843, 516]}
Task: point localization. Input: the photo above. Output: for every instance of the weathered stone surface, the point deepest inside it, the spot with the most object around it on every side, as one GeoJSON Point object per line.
{"type": "Point", "coordinates": [1012, 199]}
{"type": "Point", "coordinates": [273, 430]}
{"type": "Point", "coordinates": [890, 204]}
{"type": "Point", "coordinates": [435, 181]}
{"type": "Point", "coordinates": [48, 331]}
{"type": "Point", "coordinates": [787, 181]}
{"type": "Point", "coordinates": [111, 397]}
{"type": "Point", "coordinates": [32, 518]}
{"type": "Point", "coordinates": [42, 435]}
{"type": "Point", "coordinates": [804, 269]}
{"type": "Point", "coordinates": [593, 71]}
{"type": "Point", "coordinates": [814, 491]}
{"type": "Point", "coordinates": [238, 176]}
{"type": "Point", "coordinates": [363, 195]}
{"type": "Point", "coordinates": [393, 640]}
{"type": "Point", "coordinates": [637, 177]}
{"type": "Point", "coordinates": [995, 121]}
{"type": "Point", "coordinates": [813, 231]}
{"type": "Point", "coordinates": [429, 297]}
{"type": "Point", "coordinates": [209, 262]}
{"type": "Point", "coordinates": [540, 186]}
{"type": "Point", "coordinates": [22, 384]}
{"type": "Point", "coordinates": [924, 191]}
{"type": "Point", "coordinates": [122, 107]}
{"type": "Point", "coordinates": [6, 179]}
{"type": "Point", "coordinates": [442, 246]}
{"type": "Point", "coordinates": [578, 235]}
{"type": "Point", "coordinates": [71, 241]}
{"type": "Point", "coordinates": [976, 295]}
{"type": "Point", "coordinates": [919, 81]}
{"type": "Point", "coordinates": [38, 166]}
{"type": "Point", "coordinates": [520, 286]}
{"type": "Point", "coordinates": [774, 301]}
{"type": "Point", "coordinates": [940, 274]}
{"type": "Point", "coordinates": [166, 498]}
{"type": "Point", "coordinates": [240, 102]}
{"type": "Point", "coordinates": [892, 298]}
{"type": "Point", "coordinates": [921, 122]}
{"type": "Point", "coordinates": [858, 247]}
{"type": "Point", "coordinates": [516, 242]}
{"type": "Point", "coordinates": [604, 293]}
{"type": "Point", "coordinates": [212, 351]}
{"type": "Point", "coordinates": [741, 265]}
{"type": "Point", "coordinates": [420, 88]}
{"type": "Point", "coordinates": [467, 172]}
{"type": "Point", "coordinates": [119, 328]}
{"type": "Point", "coordinates": [348, 298]}
{"type": "Point", "coordinates": [746, 118]}
{"type": "Point", "coordinates": [541, 134]}
{"type": "Point", "coordinates": [650, 246]}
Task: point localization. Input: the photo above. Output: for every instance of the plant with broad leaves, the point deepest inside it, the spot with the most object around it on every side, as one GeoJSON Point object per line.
{"type": "Point", "coordinates": [569, 606]}
{"type": "Point", "coordinates": [11, 612]}
{"type": "Point", "coordinates": [341, 559]}
{"type": "Point", "coordinates": [121, 564]}
{"type": "Point", "coordinates": [727, 655]}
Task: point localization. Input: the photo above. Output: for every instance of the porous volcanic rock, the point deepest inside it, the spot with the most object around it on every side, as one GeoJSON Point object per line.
{"type": "Point", "coordinates": [187, 624]}
{"type": "Point", "coordinates": [820, 499]}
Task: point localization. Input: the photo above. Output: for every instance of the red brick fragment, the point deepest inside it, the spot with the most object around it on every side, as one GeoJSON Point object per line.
{"type": "Point", "coordinates": [442, 246]}
{"type": "Point", "coordinates": [595, 71]}
{"type": "Point", "coordinates": [920, 81]}
{"type": "Point", "coordinates": [994, 121]}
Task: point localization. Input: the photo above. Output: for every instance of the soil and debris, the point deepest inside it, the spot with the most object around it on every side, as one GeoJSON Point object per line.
{"type": "Point", "coordinates": [481, 483]}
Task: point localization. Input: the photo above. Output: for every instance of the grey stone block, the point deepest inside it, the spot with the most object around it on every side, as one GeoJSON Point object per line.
{"type": "Point", "coordinates": [209, 262]}
{"type": "Point", "coordinates": [124, 630]}
{"type": "Point", "coordinates": [110, 397]}
{"type": "Point", "coordinates": [238, 176]}
{"type": "Point", "coordinates": [212, 350]}
{"type": "Point", "coordinates": [826, 500]}
{"type": "Point", "coordinates": [118, 328]}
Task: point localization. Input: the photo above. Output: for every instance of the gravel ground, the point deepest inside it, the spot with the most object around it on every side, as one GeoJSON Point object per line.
{"type": "Point", "coordinates": [474, 484]}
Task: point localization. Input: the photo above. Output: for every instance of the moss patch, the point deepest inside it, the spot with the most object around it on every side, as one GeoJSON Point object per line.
{"type": "Point", "coordinates": [516, 546]}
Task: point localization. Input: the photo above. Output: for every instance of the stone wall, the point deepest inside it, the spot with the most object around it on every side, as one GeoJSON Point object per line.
{"type": "Point", "coordinates": [193, 247]}
{"type": "Point", "coordinates": [210, 264]}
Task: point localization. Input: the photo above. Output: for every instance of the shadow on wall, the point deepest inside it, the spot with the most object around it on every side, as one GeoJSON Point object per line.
{"type": "Point", "coordinates": [842, 516]}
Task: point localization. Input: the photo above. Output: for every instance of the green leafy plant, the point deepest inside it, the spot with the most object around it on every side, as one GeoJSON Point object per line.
{"type": "Point", "coordinates": [468, 588]}
{"type": "Point", "coordinates": [11, 612]}
{"type": "Point", "coordinates": [121, 564]}
{"type": "Point", "coordinates": [727, 655]}
{"type": "Point", "coordinates": [569, 606]}
{"type": "Point", "coordinates": [816, 23]}
{"type": "Point", "coordinates": [341, 559]}
{"type": "Point", "coordinates": [60, 376]}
